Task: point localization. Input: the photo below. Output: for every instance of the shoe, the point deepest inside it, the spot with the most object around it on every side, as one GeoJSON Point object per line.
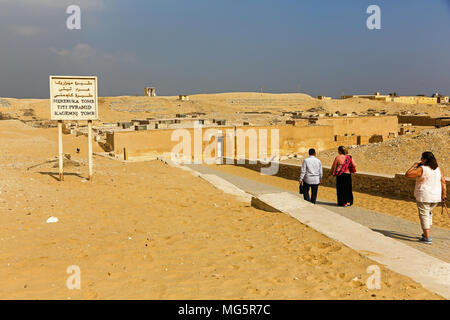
{"type": "Point", "coordinates": [426, 240]}
{"type": "Point", "coordinates": [431, 238]}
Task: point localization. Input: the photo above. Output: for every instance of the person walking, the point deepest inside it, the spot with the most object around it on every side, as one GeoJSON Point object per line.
{"type": "Point", "coordinates": [429, 191]}
{"type": "Point", "coordinates": [311, 176]}
{"type": "Point", "coordinates": [342, 168]}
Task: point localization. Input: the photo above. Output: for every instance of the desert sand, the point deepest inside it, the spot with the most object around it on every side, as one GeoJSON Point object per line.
{"type": "Point", "coordinates": [149, 231]}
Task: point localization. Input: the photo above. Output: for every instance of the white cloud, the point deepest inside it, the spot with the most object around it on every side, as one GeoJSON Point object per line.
{"type": "Point", "coordinates": [84, 53]}
{"type": "Point", "coordinates": [25, 30]}
{"type": "Point", "coordinates": [84, 4]}
{"type": "Point", "coordinates": [80, 51]}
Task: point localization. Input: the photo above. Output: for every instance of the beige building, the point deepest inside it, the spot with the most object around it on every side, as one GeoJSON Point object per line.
{"type": "Point", "coordinates": [419, 99]}
{"type": "Point", "coordinates": [415, 100]}
{"type": "Point", "coordinates": [294, 137]}
{"type": "Point", "coordinates": [443, 99]}
{"type": "Point", "coordinates": [375, 96]}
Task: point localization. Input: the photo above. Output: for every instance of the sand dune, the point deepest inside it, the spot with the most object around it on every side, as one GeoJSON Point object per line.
{"type": "Point", "coordinates": [226, 105]}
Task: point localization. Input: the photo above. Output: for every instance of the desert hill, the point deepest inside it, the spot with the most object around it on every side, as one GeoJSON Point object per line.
{"type": "Point", "coordinates": [226, 105]}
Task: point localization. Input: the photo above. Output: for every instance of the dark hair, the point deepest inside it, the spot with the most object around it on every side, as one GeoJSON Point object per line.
{"type": "Point", "coordinates": [311, 152]}
{"type": "Point", "coordinates": [430, 160]}
{"type": "Point", "coordinates": [342, 150]}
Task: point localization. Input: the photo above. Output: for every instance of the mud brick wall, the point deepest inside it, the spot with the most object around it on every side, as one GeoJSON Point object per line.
{"type": "Point", "coordinates": [417, 120]}
{"type": "Point", "coordinates": [393, 186]}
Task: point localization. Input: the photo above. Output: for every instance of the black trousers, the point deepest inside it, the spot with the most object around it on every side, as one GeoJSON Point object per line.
{"type": "Point", "coordinates": [314, 188]}
{"type": "Point", "coordinates": [344, 189]}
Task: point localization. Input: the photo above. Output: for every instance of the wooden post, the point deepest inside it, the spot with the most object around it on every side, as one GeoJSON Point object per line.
{"type": "Point", "coordinates": [60, 151]}
{"type": "Point", "coordinates": [90, 148]}
{"type": "Point", "coordinates": [235, 145]}
{"type": "Point", "coordinates": [125, 156]}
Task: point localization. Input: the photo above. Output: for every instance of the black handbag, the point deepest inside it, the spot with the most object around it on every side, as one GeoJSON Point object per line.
{"type": "Point", "coordinates": [301, 188]}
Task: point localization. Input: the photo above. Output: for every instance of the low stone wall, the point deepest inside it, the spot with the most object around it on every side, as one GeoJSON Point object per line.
{"type": "Point", "coordinates": [393, 186]}
{"type": "Point", "coordinates": [417, 120]}
{"type": "Point", "coordinates": [239, 141]}
{"type": "Point", "coordinates": [361, 126]}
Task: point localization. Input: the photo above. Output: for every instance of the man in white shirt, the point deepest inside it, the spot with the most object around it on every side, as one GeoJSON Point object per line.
{"type": "Point", "coordinates": [311, 176]}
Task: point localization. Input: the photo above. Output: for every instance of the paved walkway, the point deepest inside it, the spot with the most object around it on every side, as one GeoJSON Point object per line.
{"type": "Point", "coordinates": [402, 230]}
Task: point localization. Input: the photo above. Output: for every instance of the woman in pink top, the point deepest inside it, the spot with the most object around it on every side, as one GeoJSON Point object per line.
{"type": "Point", "coordinates": [429, 191]}
{"type": "Point", "coordinates": [342, 168]}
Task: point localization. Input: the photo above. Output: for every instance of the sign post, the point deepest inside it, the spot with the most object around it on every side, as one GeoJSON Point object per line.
{"type": "Point", "coordinates": [60, 151]}
{"type": "Point", "coordinates": [75, 99]}
{"type": "Point", "coordinates": [90, 148]}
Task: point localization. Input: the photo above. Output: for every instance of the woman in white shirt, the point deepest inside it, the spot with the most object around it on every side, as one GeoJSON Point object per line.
{"type": "Point", "coordinates": [429, 191]}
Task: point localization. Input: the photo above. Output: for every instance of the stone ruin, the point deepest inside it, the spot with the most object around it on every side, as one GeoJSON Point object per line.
{"type": "Point", "coordinates": [150, 92]}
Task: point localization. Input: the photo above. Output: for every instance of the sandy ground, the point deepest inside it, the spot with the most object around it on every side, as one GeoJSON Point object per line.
{"type": "Point", "coordinates": [399, 208]}
{"type": "Point", "coordinates": [148, 231]}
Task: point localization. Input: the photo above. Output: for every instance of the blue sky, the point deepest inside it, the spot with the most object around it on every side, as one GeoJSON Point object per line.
{"type": "Point", "coordinates": [202, 46]}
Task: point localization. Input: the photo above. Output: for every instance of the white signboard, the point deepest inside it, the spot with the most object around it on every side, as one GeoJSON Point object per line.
{"type": "Point", "coordinates": [73, 98]}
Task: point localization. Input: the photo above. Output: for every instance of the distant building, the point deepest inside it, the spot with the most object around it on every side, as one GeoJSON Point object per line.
{"type": "Point", "coordinates": [375, 96]}
{"type": "Point", "coordinates": [183, 97]}
{"type": "Point", "coordinates": [150, 92]}
{"type": "Point", "coordinates": [415, 100]}
{"type": "Point", "coordinates": [323, 98]}
{"type": "Point", "coordinates": [443, 99]}
{"type": "Point", "coordinates": [419, 99]}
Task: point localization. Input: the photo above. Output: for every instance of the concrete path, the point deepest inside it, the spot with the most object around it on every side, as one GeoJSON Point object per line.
{"type": "Point", "coordinates": [433, 273]}
{"type": "Point", "coordinates": [393, 227]}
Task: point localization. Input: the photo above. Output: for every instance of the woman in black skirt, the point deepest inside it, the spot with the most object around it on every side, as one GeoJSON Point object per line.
{"type": "Point", "coordinates": [342, 169]}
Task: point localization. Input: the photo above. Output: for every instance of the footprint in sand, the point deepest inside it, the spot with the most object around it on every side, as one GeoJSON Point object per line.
{"type": "Point", "coordinates": [310, 278]}
{"type": "Point", "coordinates": [308, 258]}
{"type": "Point", "coordinates": [91, 295]}
{"type": "Point", "coordinates": [250, 259]}
{"type": "Point", "coordinates": [259, 292]}
{"type": "Point", "coordinates": [357, 283]}
{"type": "Point", "coordinates": [335, 248]}
{"type": "Point", "coordinates": [228, 252]}
{"type": "Point", "coordinates": [322, 245]}
{"type": "Point", "coordinates": [323, 260]}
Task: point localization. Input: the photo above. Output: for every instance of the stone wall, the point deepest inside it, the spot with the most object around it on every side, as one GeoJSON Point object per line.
{"type": "Point", "coordinates": [361, 126]}
{"type": "Point", "coordinates": [415, 100]}
{"type": "Point", "coordinates": [292, 139]}
{"type": "Point", "coordinates": [418, 120]}
{"type": "Point", "coordinates": [392, 186]}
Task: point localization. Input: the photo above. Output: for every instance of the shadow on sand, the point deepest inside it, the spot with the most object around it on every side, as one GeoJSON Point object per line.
{"type": "Point", "coordinates": [324, 203]}
{"type": "Point", "coordinates": [396, 235]}
{"type": "Point", "coordinates": [55, 175]}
